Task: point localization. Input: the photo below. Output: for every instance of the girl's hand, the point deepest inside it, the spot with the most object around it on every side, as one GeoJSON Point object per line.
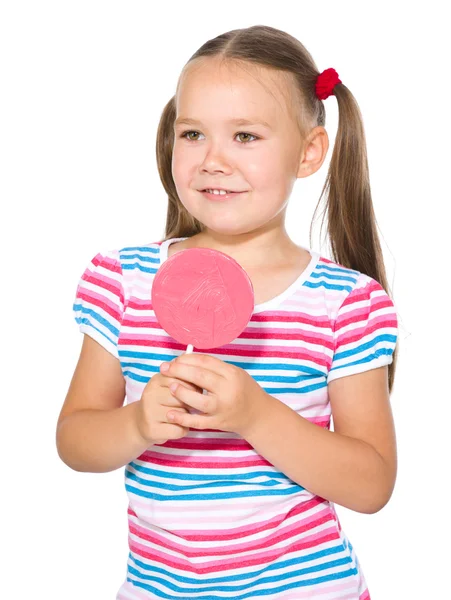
{"type": "Point", "coordinates": [156, 400]}
{"type": "Point", "coordinates": [233, 400]}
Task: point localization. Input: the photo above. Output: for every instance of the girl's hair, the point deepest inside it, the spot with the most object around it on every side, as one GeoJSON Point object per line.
{"type": "Point", "coordinates": [352, 224]}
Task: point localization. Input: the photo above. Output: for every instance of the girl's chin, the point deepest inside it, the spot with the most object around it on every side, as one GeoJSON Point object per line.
{"type": "Point", "coordinates": [229, 227]}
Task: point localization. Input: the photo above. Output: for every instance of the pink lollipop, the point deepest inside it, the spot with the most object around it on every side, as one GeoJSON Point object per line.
{"type": "Point", "coordinates": [202, 298]}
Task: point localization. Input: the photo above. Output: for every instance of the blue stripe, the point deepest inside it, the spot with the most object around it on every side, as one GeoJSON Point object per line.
{"type": "Point", "coordinates": [211, 484]}
{"type": "Point", "coordinates": [128, 267]}
{"type": "Point", "coordinates": [140, 257]}
{"type": "Point", "coordinates": [140, 249]}
{"type": "Point", "coordinates": [328, 286]}
{"type": "Point", "coordinates": [335, 277]}
{"type": "Point", "coordinates": [133, 376]}
{"type": "Point", "coordinates": [334, 269]}
{"type": "Point", "coordinates": [280, 564]}
{"type": "Point", "coordinates": [86, 322]}
{"type": "Point", "coordinates": [303, 390]}
{"type": "Point", "coordinates": [237, 363]}
{"type": "Point", "coordinates": [367, 359]}
{"type": "Point", "coordinates": [212, 496]}
{"type": "Point", "coordinates": [275, 379]}
{"type": "Point", "coordinates": [252, 594]}
{"type": "Point", "coordinates": [183, 476]}
{"type": "Point", "coordinates": [80, 308]}
{"type": "Point", "coordinates": [384, 337]}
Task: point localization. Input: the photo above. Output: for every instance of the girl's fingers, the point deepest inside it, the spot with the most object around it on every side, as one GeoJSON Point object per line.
{"type": "Point", "coordinates": [188, 386]}
{"type": "Point", "coordinates": [200, 377]}
{"type": "Point", "coordinates": [195, 400]}
{"type": "Point", "coordinates": [190, 397]}
{"type": "Point", "coordinates": [170, 380]}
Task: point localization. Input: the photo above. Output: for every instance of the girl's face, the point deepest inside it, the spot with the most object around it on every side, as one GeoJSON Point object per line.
{"type": "Point", "coordinates": [212, 151]}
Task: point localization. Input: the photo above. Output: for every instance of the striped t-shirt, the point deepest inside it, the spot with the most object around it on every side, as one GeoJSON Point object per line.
{"type": "Point", "coordinates": [209, 518]}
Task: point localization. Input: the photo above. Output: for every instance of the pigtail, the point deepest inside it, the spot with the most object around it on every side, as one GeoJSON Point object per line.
{"type": "Point", "coordinates": [352, 226]}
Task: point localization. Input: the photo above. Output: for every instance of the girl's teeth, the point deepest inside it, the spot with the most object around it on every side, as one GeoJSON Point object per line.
{"type": "Point", "coordinates": [218, 192]}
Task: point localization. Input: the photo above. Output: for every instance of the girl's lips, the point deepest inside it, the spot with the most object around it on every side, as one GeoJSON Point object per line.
{"type": "Point", "coordinates": [221, 196]}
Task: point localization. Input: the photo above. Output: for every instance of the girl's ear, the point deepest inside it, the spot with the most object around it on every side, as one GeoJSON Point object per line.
{"type": "Point", "coordinates": [315, 151]}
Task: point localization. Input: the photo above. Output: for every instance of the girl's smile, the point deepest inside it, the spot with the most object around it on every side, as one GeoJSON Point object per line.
{"type": "Point", "coordinates": [221, 197]}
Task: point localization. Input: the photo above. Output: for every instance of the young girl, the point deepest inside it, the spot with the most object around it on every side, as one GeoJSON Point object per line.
{"type": "Point", "coordinates": [235, 497]}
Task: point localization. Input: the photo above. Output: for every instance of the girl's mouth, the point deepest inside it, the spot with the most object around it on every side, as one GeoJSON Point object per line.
{"type": "Point", "coordinates": [221, 196]}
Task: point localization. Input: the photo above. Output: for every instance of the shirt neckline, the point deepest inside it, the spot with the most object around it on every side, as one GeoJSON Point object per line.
{"type": "Point", "coordinates": [272, 303]}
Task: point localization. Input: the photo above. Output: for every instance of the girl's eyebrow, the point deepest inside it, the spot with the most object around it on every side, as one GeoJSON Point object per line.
{"type": "Point", "coordinates": [188, 121]}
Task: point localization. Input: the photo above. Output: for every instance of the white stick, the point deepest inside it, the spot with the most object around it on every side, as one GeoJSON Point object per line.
{"type": "Point", "coordinates": [189, 350]}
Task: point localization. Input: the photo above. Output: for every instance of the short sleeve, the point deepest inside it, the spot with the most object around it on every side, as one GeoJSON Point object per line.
{"type": "Point", "coordinates": [99, 300]}
{"type": "Point", "coordinates": [365, 330]}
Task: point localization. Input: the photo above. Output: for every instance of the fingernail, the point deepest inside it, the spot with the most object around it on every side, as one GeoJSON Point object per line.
{"type": "Point", "coordinates": [164, 366]}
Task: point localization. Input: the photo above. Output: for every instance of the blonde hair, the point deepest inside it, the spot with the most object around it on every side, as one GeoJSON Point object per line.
{"type": "Point", "coordinates": [352, 226]}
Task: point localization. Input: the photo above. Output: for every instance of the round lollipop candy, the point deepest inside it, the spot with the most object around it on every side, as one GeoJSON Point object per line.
{"type": "Point", "coordinates": [202, 297]}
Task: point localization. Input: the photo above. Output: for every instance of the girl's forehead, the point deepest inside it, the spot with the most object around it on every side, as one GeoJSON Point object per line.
{"type": "Point", "coordinates": [243, 92]}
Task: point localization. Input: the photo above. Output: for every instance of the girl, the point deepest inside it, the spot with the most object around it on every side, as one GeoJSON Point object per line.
{"type": "Point", "coordinates": [233, 497]}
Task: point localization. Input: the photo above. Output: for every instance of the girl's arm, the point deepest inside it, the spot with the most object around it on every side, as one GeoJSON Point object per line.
{"type": "Point", "coordinates": [98, 440]}
{"type": "Point", "coordinates": [95, 432]}
{"type": "Point", "coordinates": [354, 465]}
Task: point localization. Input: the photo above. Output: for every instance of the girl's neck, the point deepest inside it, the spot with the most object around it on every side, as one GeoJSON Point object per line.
{"type": "Point", "coordinates": [270, 248]}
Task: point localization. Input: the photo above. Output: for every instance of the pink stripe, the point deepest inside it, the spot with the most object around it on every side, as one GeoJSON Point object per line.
{"type": "Point", "coordinates": [309, 541]}
{"type": "Point", "coordinates": [102, 281]}
{"type": "Point", "coordinates": [372, 302]}
{"type": "Point", "coordinates": [222, 564]}
{"type": "Point", "coordinates": [192, 443]}
{"type": "Point", "coordinates": [248, 351]}
{"type": "Point", "coordinates": [189, 462]}
{"type": "Point", "coordinates": [355, 335]}
{"type": "Point", "coordinates": [203, 462]}
{"type": "Point", "coordinates": [232, 533]}
{"type": "Point", "coordinates": [99, 301]}
{"type": "Point", "coordinates": [275, 536]}
{"type": "Point", "coordinates": [320, 421]}
{"type": "Point", "coordinates": [107, 263]}
{"type": "Point", "coordinates": [361, 313]}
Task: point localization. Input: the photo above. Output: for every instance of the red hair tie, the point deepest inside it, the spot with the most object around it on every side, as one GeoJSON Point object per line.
{"type": "Point", "coordinates": [325, 83]}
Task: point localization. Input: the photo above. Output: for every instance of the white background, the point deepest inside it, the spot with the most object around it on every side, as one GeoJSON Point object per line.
{"type": "Point", "coordinates": [83, 85]}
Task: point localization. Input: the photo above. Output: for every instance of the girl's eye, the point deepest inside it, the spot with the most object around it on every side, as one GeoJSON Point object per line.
{"type": "Point", "coordinates": [186, 133]}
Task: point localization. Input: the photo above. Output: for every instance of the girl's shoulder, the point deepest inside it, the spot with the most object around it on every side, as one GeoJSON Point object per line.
{"type": "Point", "coordinates": [350, 294]}
{"type": "Point", "coordinates": [338, 280]}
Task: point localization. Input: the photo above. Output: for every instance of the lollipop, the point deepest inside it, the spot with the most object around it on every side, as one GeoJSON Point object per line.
{"type": "Point", "coordinates": [202, 297]}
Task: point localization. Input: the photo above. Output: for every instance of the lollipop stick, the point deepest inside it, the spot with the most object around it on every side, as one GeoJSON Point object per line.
{"type": "Point", "coordinates": [189, 350]}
